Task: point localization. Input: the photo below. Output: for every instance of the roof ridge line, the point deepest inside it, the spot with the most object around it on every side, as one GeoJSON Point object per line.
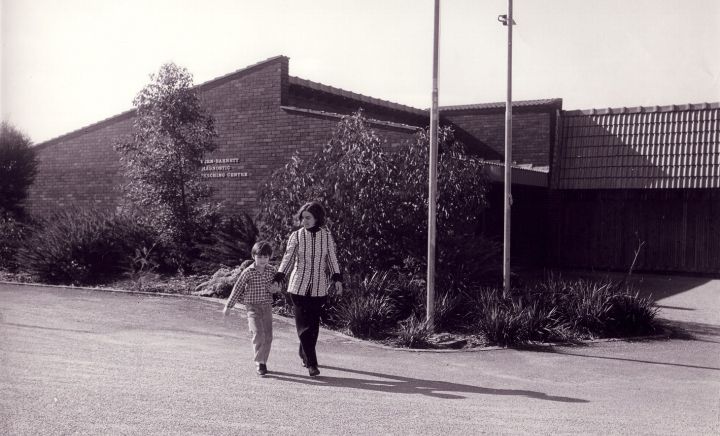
{"type": "Point", "coordinates": [644, 109]}
{"type": "Point", "coordinates": [127, 112]}
{"type": "Point", "coordinates": [350, 94]}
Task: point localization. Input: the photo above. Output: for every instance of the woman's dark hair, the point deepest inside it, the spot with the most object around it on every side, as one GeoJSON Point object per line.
{"type": "Point", "coordinates": [315, 209]}
{"type": "Point", "coordinates": [262, 248]}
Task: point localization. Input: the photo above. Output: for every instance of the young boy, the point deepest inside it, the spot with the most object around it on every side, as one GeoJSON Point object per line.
{"type": "Point", "coordinates": [254, 288]}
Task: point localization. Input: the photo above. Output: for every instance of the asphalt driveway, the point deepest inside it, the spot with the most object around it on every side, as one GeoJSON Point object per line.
{"type": "Point", "coordinates": [88, 362]}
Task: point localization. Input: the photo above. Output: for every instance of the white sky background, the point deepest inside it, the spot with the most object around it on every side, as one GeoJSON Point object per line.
{"type": "Point", "coordinates": [70, 63]}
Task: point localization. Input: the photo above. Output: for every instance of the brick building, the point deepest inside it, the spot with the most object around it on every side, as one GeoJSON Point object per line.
{"type": "Point", "coordinates": [587, 185]}
{"type": "Point", "coordinates": [262, 116]}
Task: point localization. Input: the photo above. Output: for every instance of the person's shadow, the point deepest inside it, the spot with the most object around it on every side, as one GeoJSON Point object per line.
{"type": "Point", "coordinates": [408, 385]}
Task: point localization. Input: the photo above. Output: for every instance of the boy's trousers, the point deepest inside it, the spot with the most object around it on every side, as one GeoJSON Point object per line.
{"type": "Point", "coordinates": [260, 325]}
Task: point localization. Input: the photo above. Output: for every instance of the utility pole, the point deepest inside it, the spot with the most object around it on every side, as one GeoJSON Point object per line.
{"type": "Point", "coordinates": [507, 20]}
{"type": "Point", "coordinates": [432, 188]}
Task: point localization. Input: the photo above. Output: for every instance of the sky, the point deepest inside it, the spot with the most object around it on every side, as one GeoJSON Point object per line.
{"type": "Point", "coordinates": [66, 64]}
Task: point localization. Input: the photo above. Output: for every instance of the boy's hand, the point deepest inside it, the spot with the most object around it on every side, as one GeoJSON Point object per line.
{"type": "Point", "coordinates": [225, 311]}
{"type": "Point", "coordinates": [275, 288]}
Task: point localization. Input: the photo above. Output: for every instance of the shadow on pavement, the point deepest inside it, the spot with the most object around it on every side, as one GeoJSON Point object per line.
{"type": "Point", "coordinates": [407, 385]}
{"type": "Point", "coordinates": [650, 362]}
{"type": "Point", "coordinates": [693, 331]}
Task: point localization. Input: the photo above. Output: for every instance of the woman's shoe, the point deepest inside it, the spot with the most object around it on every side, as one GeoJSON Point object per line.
{"type": "Point", "coordinates": [313, 371]}
{"type": "Point", "coordinates": [261, 369]}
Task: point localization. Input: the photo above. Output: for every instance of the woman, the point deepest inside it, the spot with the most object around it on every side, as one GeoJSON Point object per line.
{"type": "Point", "coordinates": [311, 255]}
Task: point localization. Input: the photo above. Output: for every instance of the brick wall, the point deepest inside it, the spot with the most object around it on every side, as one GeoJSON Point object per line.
{"type": "Point", "coordinates": [532, 134]}
{"type": "Point", "coordinates": [82, 168]}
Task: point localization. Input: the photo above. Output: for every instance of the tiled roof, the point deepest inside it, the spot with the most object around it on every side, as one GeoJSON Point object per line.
{"type": "Point", "coordinates": [669, 147]}
{"type": "Point", "coordinates": [315, 86]}
{"type": "Point", "coordinates": [549, 102]}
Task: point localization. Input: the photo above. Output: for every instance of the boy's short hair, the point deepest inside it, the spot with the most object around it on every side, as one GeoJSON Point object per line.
{"type": "Point", "coordinates": [262, 248]}
{"type": "Point", "coordinates": [317, 211]}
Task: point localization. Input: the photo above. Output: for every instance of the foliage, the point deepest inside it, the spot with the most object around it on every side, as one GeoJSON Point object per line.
{"type": "Point", "coordinates": [12, 233]}
{"type": "Point", "coordinates": [18, 166]}
{"type": "Point", "coordinates": [366, 309]}
{"type": "Point", "coordinates": [163, 159]}
{"type": "Point", "coordinates": [77, 246]}
{"type": "Point", "coordinates": [222, 281]}
{"type": "Point", "coordinates": [226, 240]}
{"type": "Point", "coordinates": [378, 198]}
{"type": "Point", "coordinates": [413, 333]}
{"type": "Point", "coordinates": [556, 309]}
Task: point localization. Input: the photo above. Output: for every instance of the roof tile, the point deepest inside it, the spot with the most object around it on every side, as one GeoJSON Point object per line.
{"type": "Point", "coordinates": [650, 147]}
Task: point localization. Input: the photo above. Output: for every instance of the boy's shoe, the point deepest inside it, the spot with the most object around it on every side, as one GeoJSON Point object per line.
{"type": "Point", "coordinates": [261, 369]}
{"type": "Point", "coordinates": [313, 371]}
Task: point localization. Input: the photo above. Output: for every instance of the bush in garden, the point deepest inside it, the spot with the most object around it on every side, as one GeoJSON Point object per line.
{"type": "Point", "coordinates": [162, 161]}
{"type": "Point", "coordinates": [413, 333]}
{"type": "Point", "coordinates": [12, 233]}
{"type": "Point", "coordinates": [78, 246]}
{"type": "Point", "coordinates": [556, 309]}
{"type": "Point", "coordinates": [377, 200]}
{"type": "Point", "coordinates": [631, 315]}
{"type": "Point", "coordinates": [503, 323]}
{"type": "Point", "coordinates": [222, 281]}
{"type": "Point", "coordinates": [226, 240]}
{"type": "Point", "coordinates": [366, 309]}
{"type": "Point", "coordinates": [599, 308]}
{"type": "Point", "coordinates": [18, 167]}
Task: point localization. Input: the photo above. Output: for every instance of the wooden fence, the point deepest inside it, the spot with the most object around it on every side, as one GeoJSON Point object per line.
{"type": "Point", "coordinates": [674, 230]}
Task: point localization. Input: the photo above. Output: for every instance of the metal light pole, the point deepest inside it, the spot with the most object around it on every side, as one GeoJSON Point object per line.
{"type": "Point", "coordinates": [507, 20]}
{"type": "Point", "coordinates": [432, 188]}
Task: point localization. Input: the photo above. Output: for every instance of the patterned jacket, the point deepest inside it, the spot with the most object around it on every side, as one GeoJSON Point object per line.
{"type": "Point", "coordinates": [312, 256]}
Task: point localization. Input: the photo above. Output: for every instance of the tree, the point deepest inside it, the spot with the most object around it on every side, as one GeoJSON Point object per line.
{"type": "Point", "coordinates": [163, 160]}
{"type": "Point", "coordinates": [378, 199]}
{"type": "Point", "coordinates": [18, 166]}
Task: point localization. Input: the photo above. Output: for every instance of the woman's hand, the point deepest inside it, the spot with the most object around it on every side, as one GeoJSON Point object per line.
{"type": "Point", "coordinates": [338, 288]}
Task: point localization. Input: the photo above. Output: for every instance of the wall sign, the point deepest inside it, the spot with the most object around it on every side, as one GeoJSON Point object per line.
{"type": "Point", "coordinates": [218, 169]}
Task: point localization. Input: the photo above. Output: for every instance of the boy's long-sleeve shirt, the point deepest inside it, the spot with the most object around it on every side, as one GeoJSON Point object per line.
{"type": "Point", "coordinates": [253, 286]}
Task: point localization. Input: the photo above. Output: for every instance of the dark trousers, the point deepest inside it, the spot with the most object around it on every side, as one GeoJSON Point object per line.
{"type": "Point", "coordinates": [307, 323]}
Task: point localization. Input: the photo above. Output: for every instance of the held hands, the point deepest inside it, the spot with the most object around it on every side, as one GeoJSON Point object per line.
{"type": "Point", "coordinates": [275, 288]}
{"type": "Point", "coordinates": [335, 288]}
{"type": "Point", "coordinates": [338, 288]}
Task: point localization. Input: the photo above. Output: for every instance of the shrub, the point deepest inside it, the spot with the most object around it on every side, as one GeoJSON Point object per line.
{"type": "Point", "coordinates": [377, 199]}
{"type": "Point", "coordinates": [222, 281]}
{"type": "Point", "coordinates": [366, 309]}
{"type": "Point", "coordinates": [83, 247]}
{"type": "Point", "coordinates": [162, 161]}
{"type": "Point", "coordinates": [556, 309]}
{"type": "Point", "coordinates": [413, 333]}
{"type": "Point", "coordinates": [12, 233]}
{"type": "Point", "coordinates": [631, 315]}
{"type": "Point", "coordinates": [18, 167]}
{"type": "Point", "coordinates": [503, 323]}
{"type": "Point", "coordinates": [587, 306]}
{"type": "Point", "coordinates": [594, 308]}
{"type": "Point", "coordinates": [227, 240]}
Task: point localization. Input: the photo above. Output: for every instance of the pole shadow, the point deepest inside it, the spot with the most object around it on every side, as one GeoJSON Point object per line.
{"type": "Point", "coordinates": [623, 359]}
{"type": "Point", "coordinates": [407, 385]}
